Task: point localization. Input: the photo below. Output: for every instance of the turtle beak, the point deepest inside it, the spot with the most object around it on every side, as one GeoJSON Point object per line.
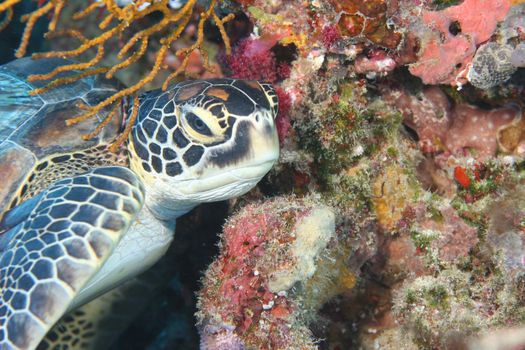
{"type": "Point", "coordinates": [263, 147]}
{"type": "Point", "coordinates": [254, 145]}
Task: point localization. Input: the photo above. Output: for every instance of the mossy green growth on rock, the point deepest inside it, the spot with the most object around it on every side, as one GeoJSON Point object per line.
{"type": "Point", "coordinates": [435, 309]}
{"type": "Point", "coordinates": [341, 134]}
{"type": "Point", "coordinates": [344, 138]}
{"type": "Point", "coordinates": [423, 238]}
{"type": "Point", "coordinates": [437, 297]}
{"type": "Point", "coordinates": [352, 187]}
{"type": "Point", "coordinates": [491, 183]}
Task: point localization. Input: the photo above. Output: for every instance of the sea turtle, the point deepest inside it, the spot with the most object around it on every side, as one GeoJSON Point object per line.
{"type": "Point", "coordinates": [78, 220]}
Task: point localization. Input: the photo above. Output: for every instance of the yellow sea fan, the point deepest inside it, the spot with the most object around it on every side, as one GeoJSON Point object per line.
{"type": "Point", "coordinates": [118, 19]}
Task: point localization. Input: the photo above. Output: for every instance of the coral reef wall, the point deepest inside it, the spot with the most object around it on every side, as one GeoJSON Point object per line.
{"type": "Point", "coordinates": [395, 217]}
{"type": "Point", "coordinates": [405, 118]}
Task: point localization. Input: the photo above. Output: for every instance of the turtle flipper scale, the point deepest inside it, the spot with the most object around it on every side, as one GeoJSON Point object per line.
{"type": "Point", "coordinates": [60, 245]}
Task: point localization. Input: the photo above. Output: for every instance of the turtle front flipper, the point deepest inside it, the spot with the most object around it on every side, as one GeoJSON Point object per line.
{"type": "Point", "coordinates": [97, 324]}
{"type": "Point", "coordinates": [70, 230]}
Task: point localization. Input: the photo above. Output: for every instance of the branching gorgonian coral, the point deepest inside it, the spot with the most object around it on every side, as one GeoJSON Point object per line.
{"type": "Point", "coordinates": [119, 17]}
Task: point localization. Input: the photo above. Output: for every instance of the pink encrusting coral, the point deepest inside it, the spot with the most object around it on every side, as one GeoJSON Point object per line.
{"type": "Point", "coordinates": [427, 113]}
{"type": "Point", "coordinates": [455, 32]}
{"type": "Point", "coordinates": [376, 61]}
{"type": "Point", "coordinates": [476, 18]}
{"type": "Point", "coordinates": [442, 126]}
{"type": "Point", "coordinates": [441, 63]}
{"type": "Point", "coordinates": [265, 249]}
{"type": "Point", "coordinates": [223, 339]}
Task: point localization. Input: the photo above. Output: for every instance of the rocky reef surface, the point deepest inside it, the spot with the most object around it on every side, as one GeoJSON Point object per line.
{"type": "Point", "coordinates": [395, 217]}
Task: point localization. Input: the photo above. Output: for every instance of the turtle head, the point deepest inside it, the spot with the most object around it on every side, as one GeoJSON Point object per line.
{"type": "Point", "coordinates": [203, 141]}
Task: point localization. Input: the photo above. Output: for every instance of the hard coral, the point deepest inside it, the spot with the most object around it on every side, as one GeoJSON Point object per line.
{"type": "Point", "coordinates": [491, 66]}
{"type": "Point", "coordinates": [394, 191]}
{"type": "Point", "coordinates": [496, 61]}
{"type": "Point", "coordinates": [265, 250]}
{"type": "Point", "coordinates": [456, 32]}
{"type": "Point", "coordinates": [367, 20]}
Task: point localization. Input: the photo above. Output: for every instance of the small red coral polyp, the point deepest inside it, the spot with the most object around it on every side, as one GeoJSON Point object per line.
{"type": "Point", "coordinates": [461, 177]}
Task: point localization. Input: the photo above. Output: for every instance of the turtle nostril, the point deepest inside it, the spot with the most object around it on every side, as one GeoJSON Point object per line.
{"type": "Point", "coordinates": [263, 119]}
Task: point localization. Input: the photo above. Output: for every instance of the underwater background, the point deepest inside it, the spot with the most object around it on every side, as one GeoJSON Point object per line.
{"type": "Point", "coordinates": [395, 217]}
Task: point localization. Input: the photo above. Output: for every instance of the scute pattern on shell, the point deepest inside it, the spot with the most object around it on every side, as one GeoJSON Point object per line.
{"type": "Point", "coordinates": [33, 127]}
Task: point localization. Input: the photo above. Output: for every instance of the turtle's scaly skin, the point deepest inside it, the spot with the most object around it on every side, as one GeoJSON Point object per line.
{"type": "Point", "coordinates": [73, 220]}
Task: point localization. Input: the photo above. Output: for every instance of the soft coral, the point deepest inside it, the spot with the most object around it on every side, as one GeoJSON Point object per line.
{"type": "Point", "coordinates": [252, 58]}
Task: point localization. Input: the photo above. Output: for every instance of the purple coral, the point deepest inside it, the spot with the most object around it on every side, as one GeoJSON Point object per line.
{"type": "Point", "coordinates": [442, 126]}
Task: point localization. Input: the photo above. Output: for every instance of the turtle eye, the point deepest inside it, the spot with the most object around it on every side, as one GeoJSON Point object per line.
{"type": "Point", "coordinates": [198, 124]}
